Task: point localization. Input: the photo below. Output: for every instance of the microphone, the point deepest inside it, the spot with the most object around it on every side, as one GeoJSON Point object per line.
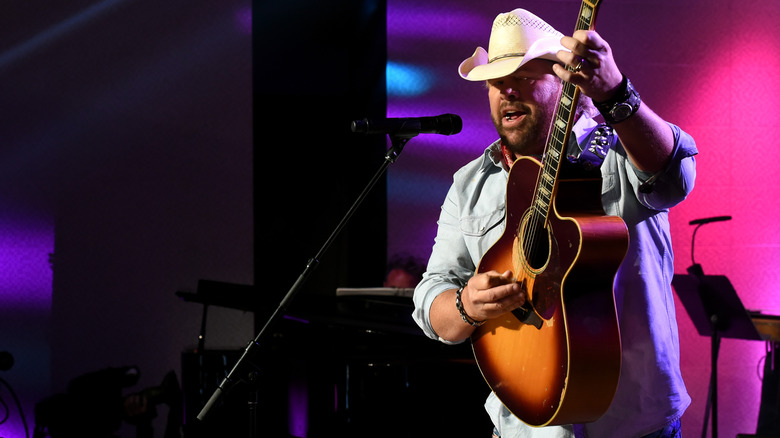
{"type": "Point", "coordinates": [446, 124]}
{"type": "Point", "coordinates": [707, 220]}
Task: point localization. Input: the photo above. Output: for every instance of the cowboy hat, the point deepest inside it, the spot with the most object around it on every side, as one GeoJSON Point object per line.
{"type": "Point", "coordinates": [516, 38]}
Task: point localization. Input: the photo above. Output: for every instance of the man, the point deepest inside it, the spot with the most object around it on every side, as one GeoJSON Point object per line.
{"type": "Point", "coordinates": [403, 271]}
{"type": "Point", "coordinates": [648, 169]}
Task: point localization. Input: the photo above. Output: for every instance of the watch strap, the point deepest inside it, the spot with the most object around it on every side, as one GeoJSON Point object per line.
{"type": "Point", "coordinates": [622, 105]}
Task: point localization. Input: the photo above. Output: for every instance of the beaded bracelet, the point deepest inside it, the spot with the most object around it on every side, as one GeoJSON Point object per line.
{"type": "Point", "coordinates": [463, 315]}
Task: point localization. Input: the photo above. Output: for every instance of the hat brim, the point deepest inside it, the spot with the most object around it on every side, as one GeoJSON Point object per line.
{"type": "Point", "coordinates": [478, 68]}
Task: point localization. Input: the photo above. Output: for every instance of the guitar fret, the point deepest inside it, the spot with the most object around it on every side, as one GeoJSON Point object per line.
{"type": "Point", "coordinates": [585, 21]}
{"type": "Point", "coordinates": [548, 179]}
{"type": "Point", "coordinates": [541, 207]}
{"type": "Point", "coordinates": [585, 16]}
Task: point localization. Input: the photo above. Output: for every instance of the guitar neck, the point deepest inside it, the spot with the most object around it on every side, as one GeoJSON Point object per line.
{"type": "Point", "coordinates": [561, 127]}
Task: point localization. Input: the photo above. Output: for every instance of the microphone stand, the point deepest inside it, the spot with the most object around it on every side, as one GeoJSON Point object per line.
{"type": "Point", "coordinates": [712, 396]}
{"type": "Point", "coordinates": [398, 142]}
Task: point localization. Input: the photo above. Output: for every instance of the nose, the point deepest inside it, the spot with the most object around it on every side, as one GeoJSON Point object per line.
{"type": "Point", "coordinates": [511, 93]}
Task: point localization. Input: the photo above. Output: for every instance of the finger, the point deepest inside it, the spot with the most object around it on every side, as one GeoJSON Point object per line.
{"type": "Point", "coordinates": [502, 299]}
{"type": "Point", "coordinates": [510, 303]}
{"type": "Point", "coordinates": [587, 45]}
{"type": "Point", "coordinates": [579, 64]}
{"type": "Point", "coordinates": [492, 279]}
{"type": "Point", "coordinates": [586, 40]}
{"type": "Point", "coordinates": [505, 292]}
{"type": "Point", "coordinates": [568, 58]}
{"type": "Point", "coordinates": [576, 47]}
{"type": "Point", "coordinates": [507, 276]}
{"type": "Point", "coordinates": [565, 74]}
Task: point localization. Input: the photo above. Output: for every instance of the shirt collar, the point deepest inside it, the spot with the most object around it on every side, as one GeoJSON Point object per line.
{"type": "Point", "coordinates": [494, 155]}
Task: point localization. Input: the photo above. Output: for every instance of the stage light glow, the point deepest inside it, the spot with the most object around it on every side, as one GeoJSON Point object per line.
{"type": "Point", "coordinates": [26, 245]}
{"type": "Point", "coordinates": [25, 274]}
{"type": "Point", "coordinates": [243, 18]}
{"type": "Point", "coordinates": [57, 32]}
{"type": "Point", "coordinates": [405, 80]}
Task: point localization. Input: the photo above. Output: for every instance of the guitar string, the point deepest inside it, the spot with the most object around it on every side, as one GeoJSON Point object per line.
{"type": "Point", "coordinates": [552, 157]}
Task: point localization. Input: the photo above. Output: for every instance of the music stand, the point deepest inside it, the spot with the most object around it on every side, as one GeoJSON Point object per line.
{"type": "Point", "coordinates": [717, 312]}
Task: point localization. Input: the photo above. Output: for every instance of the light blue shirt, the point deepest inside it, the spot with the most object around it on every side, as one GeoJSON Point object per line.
{"type": "Point", "coordinates": [651, 392]}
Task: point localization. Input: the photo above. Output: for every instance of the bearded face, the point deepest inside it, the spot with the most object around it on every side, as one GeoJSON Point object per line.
{"type": "Point", "coordinates": [523, 130]}
{"type": "Point", "coordinates": [523, 106]}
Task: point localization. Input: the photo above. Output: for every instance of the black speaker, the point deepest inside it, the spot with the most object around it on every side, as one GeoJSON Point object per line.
{"type": "Point", "coordinates": [769, 411]}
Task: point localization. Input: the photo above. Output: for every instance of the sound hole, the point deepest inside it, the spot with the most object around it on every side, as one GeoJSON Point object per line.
{"type": "Point", "coordinates": [535, 244]}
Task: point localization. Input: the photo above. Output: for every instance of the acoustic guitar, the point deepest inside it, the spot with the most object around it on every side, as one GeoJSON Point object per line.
{"type": "Point", "coordinates": [556, 360]}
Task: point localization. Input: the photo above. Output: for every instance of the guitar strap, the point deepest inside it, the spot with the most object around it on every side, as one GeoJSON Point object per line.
{"type": "Point", "coordinates": [591, 152]}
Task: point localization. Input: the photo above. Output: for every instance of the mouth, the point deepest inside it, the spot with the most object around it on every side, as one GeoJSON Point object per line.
{"type": "Point", "coordinates": [512, 117]}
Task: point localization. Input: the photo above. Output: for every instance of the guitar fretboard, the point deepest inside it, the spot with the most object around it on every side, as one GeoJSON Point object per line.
{"type": "Point", "coordinates": [560, 130]}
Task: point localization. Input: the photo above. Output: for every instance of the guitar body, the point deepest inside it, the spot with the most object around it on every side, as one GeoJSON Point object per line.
{"type": "Point", "coordinates": [557, 360]}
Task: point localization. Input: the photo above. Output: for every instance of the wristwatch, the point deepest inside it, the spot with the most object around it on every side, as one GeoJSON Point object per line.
{"type": "Point", "coordinates": [622, 105]}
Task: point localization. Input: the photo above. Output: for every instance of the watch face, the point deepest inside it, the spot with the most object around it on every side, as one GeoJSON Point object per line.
{"type": "Point", "coordinates": [621, 111]}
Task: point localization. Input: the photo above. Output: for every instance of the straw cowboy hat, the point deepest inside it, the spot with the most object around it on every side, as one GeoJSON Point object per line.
{"type": "Point", "coordinates": [516, 38]}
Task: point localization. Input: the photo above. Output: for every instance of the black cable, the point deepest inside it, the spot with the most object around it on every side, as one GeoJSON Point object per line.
{"type": "Point", "coordinates": [18, 405]}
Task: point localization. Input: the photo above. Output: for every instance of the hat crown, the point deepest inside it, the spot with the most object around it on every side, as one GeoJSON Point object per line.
{"type": "Point", "coordinates": [514, 32]}
{"type": "Point", "coordinates": [516, 38]}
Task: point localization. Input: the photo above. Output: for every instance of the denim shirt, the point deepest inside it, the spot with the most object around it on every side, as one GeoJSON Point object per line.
{"type": "Point", "coordinates": [651, 392]}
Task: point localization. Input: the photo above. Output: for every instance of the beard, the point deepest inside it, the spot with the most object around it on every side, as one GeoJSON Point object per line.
{"type": "Point", "coordinates": [528, 138]}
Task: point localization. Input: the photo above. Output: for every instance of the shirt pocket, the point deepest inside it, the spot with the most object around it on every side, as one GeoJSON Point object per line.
{"type": "Point", "coordinates": [480, 232]}
{"type": "Point", "coordinates": [480, 225]}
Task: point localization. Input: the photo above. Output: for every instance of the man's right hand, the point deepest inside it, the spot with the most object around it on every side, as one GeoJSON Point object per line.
{"type": "Point", "coordinates": [486, 295]}
{"type": "Point", "coordinates": [491, 294]}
